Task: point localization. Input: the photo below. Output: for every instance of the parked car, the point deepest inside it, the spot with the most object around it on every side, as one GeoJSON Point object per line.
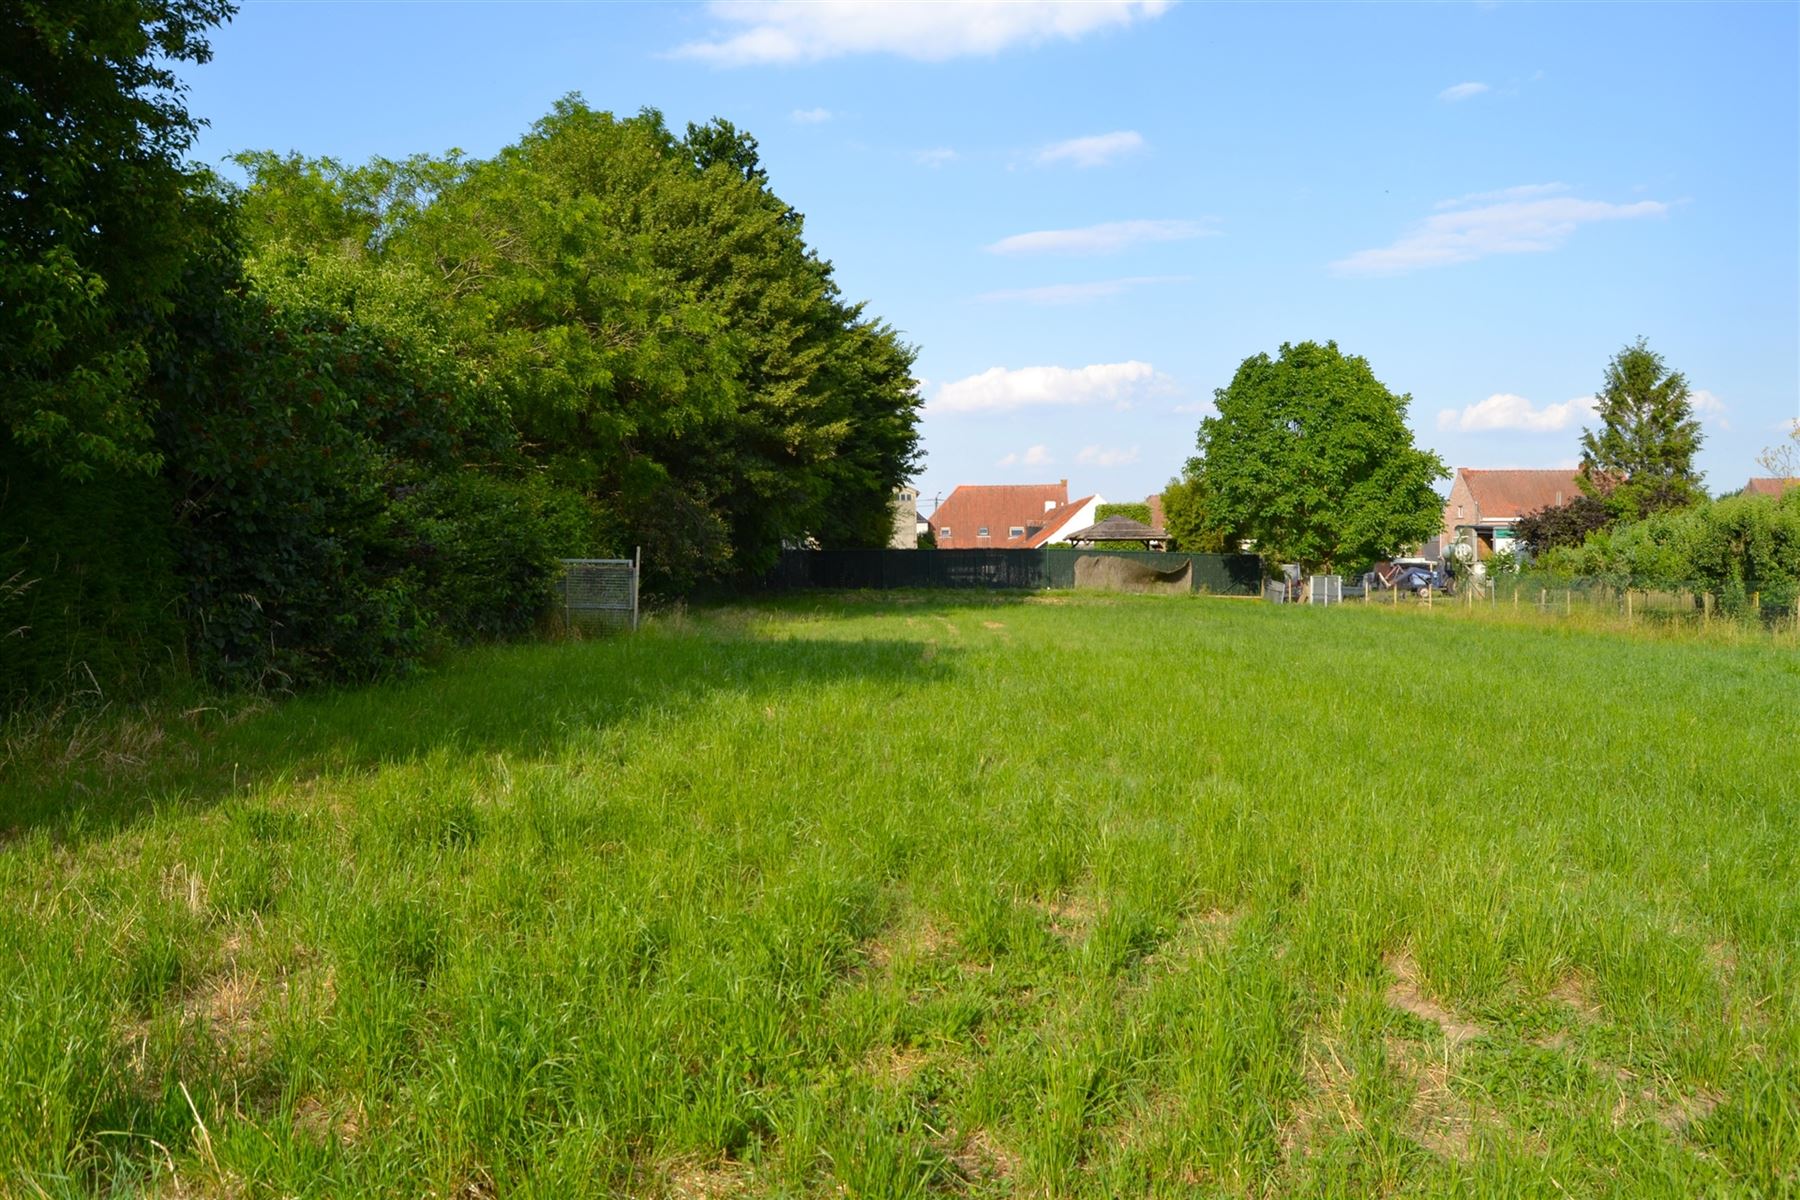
{"type": "Point", "coordinates": [1410, 575]}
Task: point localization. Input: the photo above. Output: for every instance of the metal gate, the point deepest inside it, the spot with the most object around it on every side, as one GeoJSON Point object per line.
{"type": "Point", "coordinates": [601, 591]}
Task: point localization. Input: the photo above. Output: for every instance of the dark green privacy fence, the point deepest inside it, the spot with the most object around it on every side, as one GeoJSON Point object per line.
{"type": "Point", "coordinates": [1219, 574]}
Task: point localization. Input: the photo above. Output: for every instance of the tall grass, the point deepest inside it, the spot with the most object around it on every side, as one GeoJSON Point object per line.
{"type": "Point", "coordinates": [917, 895]}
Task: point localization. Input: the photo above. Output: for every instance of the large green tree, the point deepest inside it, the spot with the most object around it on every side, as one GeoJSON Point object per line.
{"type": "Point", "coordinates": [1311, 457]}
{"type": "Point", "coordinates": [96, 220]}
{"type": "Point", "coordinates": [650, 316]}
{"type": "Point", "coordinates": [1641, 458]}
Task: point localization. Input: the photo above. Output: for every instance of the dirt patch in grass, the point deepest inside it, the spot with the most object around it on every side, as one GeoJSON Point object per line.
{"type": "Point", "coordinates": [1407, 993]}
{"type": "Point", "coordinates": [687, 1180]}
{"type": "Point", "coordinates": [1070, 917]}
{"type": "Point", "coordinates": [915, 938]}
{"type": "Point", "coordinates": [1687, 1111]}
{"type": "Point", "coordinates": [977, 1157]}
{"type": "Point", "coordinates": [319, 1121]}
{"type": "Point", "coordinates": [1574, 992]}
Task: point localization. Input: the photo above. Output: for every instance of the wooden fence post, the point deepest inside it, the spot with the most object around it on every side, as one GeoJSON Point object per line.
{"type": "Point", "coordinates": [1628, 606]}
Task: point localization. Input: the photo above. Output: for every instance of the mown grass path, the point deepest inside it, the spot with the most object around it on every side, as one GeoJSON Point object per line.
{"type": "Point", "coordinates": [1059, 896]}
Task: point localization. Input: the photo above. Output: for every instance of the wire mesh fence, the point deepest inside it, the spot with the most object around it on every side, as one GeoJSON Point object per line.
{"type": "Point", "coordinates": [599, 592]}
{"type": "Point", "coordinates": [1773, 606]}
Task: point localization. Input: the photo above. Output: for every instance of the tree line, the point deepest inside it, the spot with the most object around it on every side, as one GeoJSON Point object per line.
{"type": "Point", "coordinates": [1644, 519]}
{"type": "Point", "coordinates": [1309, 459]}
{"type": "Point", "coordinates": [309, 426]}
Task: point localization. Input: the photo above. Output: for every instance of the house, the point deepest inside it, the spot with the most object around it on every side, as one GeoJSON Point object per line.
{"type": "Point", "coordinates": [1010, 516]}
{"type": "Point", "coordinates": [1771, 486]}
{"type": "Point", "coordinates": [1487, 505]}
{"type": "Point", "coordinates": [905, 535]}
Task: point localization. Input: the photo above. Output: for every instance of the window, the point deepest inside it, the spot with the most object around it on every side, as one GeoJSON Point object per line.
{"type": "Point", "coordinates": [944, 532]}
{"type": "Point", "coordinates": [1015, 531]}
{"type": "Point", "coordinates": [982, 532]}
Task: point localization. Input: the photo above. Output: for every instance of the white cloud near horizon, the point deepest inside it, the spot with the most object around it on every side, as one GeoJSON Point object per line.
{"type": "Point", "coordinates": [1104, 238]}
{"type": "Point", "coordinates": [1462, 91]}
{"type": "Point", "coordinates": [1076, 293]}
{"type": "Point", "coordinates": [1034, 456]}
{"type": "Point", "coordinates": [1095, 151]}
{"type": "Point", "coordinates": [763, 32]}
{"type": "Point", "coordinates": [1104, 456]}
{"type": "Point", "coordinates": [1475, 229]}
{"type": "Point", "coordinates": [1505, 411]}
{"type": "Point", "coordinates": [935, 157]}
{"type": "Point", "coordinates": [810, 116]}
{"type": "Point", "coordinates": [1001, 390]}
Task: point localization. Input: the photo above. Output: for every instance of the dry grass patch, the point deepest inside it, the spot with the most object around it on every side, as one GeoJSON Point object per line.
{"type": "Point", "coordinates": [1574, 992]}
{"type": "Point", "coordinates": [692, 1180]}
{"type": "Point", "coordinates": [1438, 1118]}
{"type": "Point", "coordinates": [1330, 1104]}
{"type": "Point", "coordinates": [978, 1157]}
{"type": "Point", "coordinates": [1070, 917]}
{"type": "Point", "coordinates": [915, 938]}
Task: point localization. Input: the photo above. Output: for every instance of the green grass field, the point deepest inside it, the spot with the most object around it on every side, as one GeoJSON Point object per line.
{"type": "Point", "coordinates": [914, 895]}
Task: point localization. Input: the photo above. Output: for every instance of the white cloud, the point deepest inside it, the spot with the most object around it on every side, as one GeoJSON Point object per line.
{"type": "Point", "coordinates": [1503, 410]}
{"type": "Point", "coordinates": [810, 116]}
{"type": "Point", "coordinates": [754, 32]}
{"type": "Point", "coordinates": [1094, 151]}
{"type": "Point", "coordinates": [1462, 91]}
{"type": "Point", "coordinates": [1036, 456]}
{"type": "Point", "coordinates": [936, 157]}
{"type": "Point", "coordinates": [1001, 390]}
{"type": "Point", "coordinates": [1103, 456]}
{"type": "Point", "coordinates": [1523, 225]}
{"type": "Point", "coordinates": [1076, 293]}
{"type": "Point", "coordinates": [1198, 406]}
{"type": "Point", "coordinates": [1708, 406]}
{"type": "Point", "coordinates": [1525, 191]}
{"type": "Point", "coordinates": [1100, 239]}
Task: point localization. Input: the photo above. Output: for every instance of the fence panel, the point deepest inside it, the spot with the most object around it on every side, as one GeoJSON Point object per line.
{"type": "Point", "coordinates": [599, 591]}
{"type": "Point", "coordinates": [1222, 574]}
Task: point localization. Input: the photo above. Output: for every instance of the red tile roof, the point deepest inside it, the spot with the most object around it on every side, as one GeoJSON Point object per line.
{"type": "Point", "coordinates": [1054, 520]}
{"type": "Point", "coordinates": [1770, 486]}
{"type": "Point", "coordinates": [998, 507]}
{"type": "Point", "coordinates": [1515, 493]}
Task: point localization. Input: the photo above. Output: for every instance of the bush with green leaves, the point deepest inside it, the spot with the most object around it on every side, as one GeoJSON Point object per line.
{"type": "Point", "coordinates": [1734, 548]}
{"type": "Point", "coordinates": [485, 548]}
{"type": "Point", "coordinates": [1139, 512]}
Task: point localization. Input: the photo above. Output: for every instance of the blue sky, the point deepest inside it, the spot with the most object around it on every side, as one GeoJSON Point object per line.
{"type": "Point", "coordinates": [1085, 216]}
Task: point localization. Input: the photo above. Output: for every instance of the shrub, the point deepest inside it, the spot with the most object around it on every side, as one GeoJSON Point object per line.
{"type": "Point", "coordinates": [486, 548]}
{"type": "Point", "coordinates": [1139, 512]}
